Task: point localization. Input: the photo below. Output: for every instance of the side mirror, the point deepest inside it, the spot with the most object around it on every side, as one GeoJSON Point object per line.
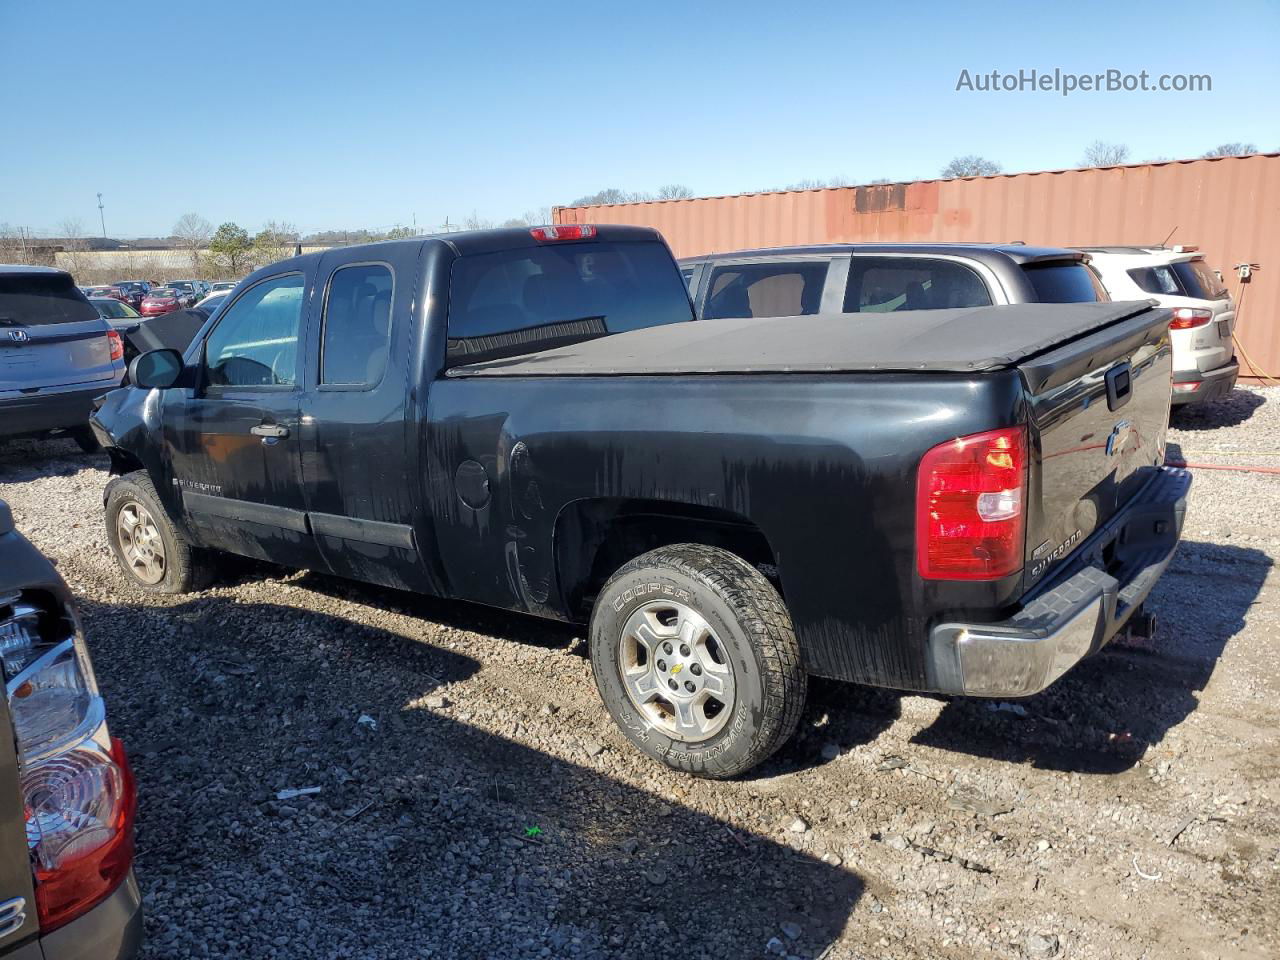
{"type": "Point", "coordinates": [155, 368]}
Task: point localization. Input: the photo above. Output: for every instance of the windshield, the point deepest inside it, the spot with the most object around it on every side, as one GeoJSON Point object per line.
{"type": "Point", "coordinates": [533, 298]}
{"type": "Point", "coordinates": [164, 294]}
{"type": "Point", "coordinates": [113, 309]}
{"type": "Point", "coordinates": [28, 300]}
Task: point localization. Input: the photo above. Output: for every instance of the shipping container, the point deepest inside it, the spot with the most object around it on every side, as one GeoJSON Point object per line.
{"type": "Point", "coordinates": [1227, 206]}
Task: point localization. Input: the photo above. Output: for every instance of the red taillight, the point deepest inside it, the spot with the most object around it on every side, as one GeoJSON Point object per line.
{"type": "Point", "coordinates": [1188, 318]}
{"type": "Point", "coordinates": [117, 344]}
{"type": "Point", "coordinates": [969, 507]}
{"type": "Point", "coordinates": [573, 231]}
{"type": "Point", "coordinates": [81, 878]}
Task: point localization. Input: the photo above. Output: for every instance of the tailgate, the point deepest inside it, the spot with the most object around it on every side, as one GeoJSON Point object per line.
{"type": "Point", "coordinates": [1099, 408]}
{"type": "Point", "coordinates": [54, 355]}
{"type": "Point", "coordinates": [50, 335]}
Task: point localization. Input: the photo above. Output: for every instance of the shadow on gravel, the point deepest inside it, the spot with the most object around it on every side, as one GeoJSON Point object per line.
{"type": "Point", "coordinates": [25, 460]}
{"type": "Point", "coordinates": [1104, 714]}
{"type": "Point", "coordinates": [458, 614]}
{"type": "Point", "coordinates": [1232, 410]}
{"type": "Point", "coordinates": [431, 835]}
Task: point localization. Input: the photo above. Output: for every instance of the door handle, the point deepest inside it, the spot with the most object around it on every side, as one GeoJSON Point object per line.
{"type": "Point", "coordinates": [269, 431]}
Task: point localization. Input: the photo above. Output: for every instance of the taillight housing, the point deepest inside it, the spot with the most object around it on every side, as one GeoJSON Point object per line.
{"type": "Point", "coordinates": [78, 792]}
{"type": "Point", "coordinates": [570, 231]}
{"type": "Point", "coordinates": [1188, 318]}
{"type": "Point", "coordinates": [116, 342]}
{"type": "Point", "coordinates": [971, 507]}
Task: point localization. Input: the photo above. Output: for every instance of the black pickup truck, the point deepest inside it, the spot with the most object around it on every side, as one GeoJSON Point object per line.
{"type": "Point", "coordinates": [964, 500]}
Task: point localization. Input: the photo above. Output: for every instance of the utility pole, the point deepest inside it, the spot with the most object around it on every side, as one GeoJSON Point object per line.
{"type": "Point", "coordinates": [102, 217]}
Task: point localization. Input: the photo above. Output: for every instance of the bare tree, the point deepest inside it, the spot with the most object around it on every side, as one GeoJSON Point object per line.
{"type": "Point", "coordinates": [674, 191]}
{"type": "Point", "coordinates": [275, 241]}
{"type": "Point", "coordinates": [1102, 154]}
{"type": "Point", "coordinates": [970, 165]}
{"type": "Point", "coordinates": [74, 244]}
{"type": "Point", "coordinates": [1232, 150]}
{"type": "Point", "coordinates": [193, 232]}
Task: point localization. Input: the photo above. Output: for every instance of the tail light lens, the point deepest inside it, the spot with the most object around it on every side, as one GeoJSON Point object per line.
{"type": "Point", "coordinates": [573, 231]}
{"type": "Point", "coordinates": [78, 792]}
{"type": "Point", "coordinates": [970, 507]}
{"type": "Point", "coordinates": [80, 811]}
{"type": "Point", "coordinates": [1188, 318]}
{"type": "Point", "coordinates": [117, 345]}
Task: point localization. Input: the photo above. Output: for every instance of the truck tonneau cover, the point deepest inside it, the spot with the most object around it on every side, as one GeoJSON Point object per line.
{"type": "Point", "coordinates": [963, 340]}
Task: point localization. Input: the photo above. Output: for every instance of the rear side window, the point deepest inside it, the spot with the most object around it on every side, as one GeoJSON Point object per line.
{"type": "Point", "coordinates": [357, 325]}
{"type": "Point", "coordinates": [1159, 279]}
{"type": "Point", "coordinates": [33, 300]}
{"type": "Point", "coordinates": [255, 344]}
{"type": "Point", "coordinates": [1198, 280]}
{"type": "Point", "coordinates": [886, 284]}
{"type": "Point", "coordinates": [781, 289]}
{"type": "Point", "coordinates": [1066, 281]}
{"type": "Point", "coordinates": [520, 301]}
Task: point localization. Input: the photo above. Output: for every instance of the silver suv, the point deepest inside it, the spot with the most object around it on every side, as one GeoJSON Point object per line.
{"type": "Point", "coordinates": [56, 355]}
{"type": "Point", "coordinates": [1204, 315]}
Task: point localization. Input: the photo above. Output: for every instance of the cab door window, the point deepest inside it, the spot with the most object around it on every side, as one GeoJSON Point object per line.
{"type": "Point", "coordinates": [357, 325]}
{"type": "Point", "coordinates": [255, 344]}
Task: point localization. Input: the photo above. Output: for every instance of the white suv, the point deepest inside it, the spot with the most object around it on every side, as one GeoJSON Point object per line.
{"type": "Point", "coordinates": [1204, 362]}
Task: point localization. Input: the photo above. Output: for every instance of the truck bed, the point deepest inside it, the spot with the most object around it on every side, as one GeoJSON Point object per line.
{"type": "Point", "coordinates": [965, 340]}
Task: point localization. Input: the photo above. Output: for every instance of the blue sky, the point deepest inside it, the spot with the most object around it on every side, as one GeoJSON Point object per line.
{"type": "Point", "coordinates": [334, 114]}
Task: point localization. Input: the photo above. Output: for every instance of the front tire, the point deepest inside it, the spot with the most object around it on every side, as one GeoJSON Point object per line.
{"type": "Point", "coordinates": [151, 551]}
{"type": "Point", "coordinates": [696, 660]}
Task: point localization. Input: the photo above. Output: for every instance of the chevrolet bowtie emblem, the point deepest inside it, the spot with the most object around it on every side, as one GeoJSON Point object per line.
{"type": "Point", "coordinates": [677, 668]}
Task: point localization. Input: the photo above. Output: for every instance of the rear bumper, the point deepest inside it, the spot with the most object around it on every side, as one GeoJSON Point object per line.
{"type": "Point", "coordinates": [1087, 604]}
{"type": "Point", "coordinates": [55, 409]}
{"type": "Point", "coordinates": [1194, 386]}
{"type": "Point", "coordinates": [110, 931]}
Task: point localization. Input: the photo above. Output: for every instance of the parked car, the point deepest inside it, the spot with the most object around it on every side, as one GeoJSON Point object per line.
{"type": "Point", "coordinates": [211, 302]}
{"type": "Point", "coordinates": [884, 277]}
{"type": "Point", "coordinates": [98, 291]}
{"type": "Point", "coordinates": [162, 300]}
{"type": "Point", "coordinates": [131, 292]}
{"type": "Point", "coordinates": [730, 504]}
{"type": "Point", "coordinates": [56, 355]}
{"type": "Point", "coordinates": [111, 309]}
{"type": "Point", "coordinates": [222, 286]}
{"type": "Point", "coordinates": [1204, 315]}
{"type": "Point", "coordinates": [71, 893]}
{"type": "Point", "coordinates": [189, 291]}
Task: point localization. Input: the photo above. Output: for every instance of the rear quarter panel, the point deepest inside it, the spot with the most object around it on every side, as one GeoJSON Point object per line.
{"type": "Point", "coordinates": [824, 466]}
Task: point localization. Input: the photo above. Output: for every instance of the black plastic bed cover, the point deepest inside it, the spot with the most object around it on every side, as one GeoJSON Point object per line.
{"type": "Point", "coordinates": [965, 340]}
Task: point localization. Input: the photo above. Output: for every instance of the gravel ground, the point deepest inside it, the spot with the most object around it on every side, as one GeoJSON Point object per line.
{"type": "Point", "coordinates": [474, 801]}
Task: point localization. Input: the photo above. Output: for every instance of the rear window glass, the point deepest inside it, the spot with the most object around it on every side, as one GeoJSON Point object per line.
{"type": "Point", "coordinates": [1069, 281]}
{"type": "Point", "coordinates": [781, 289]}
{"type": "Point", "coordinates": [1159, 279]}
{"type": "Point", "coordinates": [1198, 280]}
{"type": "Point", "coordinates": [520, 301]}
{"type": "Point", "coordinates": [886, 284]}
{"type": "Point", "coordinates": [31, 300]}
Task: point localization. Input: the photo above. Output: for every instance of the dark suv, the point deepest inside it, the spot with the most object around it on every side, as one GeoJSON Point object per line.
{"type": "Point", "coordinates": [56, 355]}
{"type": "Point", "coordinates": [884, 277]}
{"type": "Point", "coordinates": [67, 798]}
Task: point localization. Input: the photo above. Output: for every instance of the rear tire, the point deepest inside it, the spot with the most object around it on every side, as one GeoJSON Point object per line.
{"type": "Point", "coordinates": [696, 660]}
{"type": "Point", "coordinates": [151, 551]}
